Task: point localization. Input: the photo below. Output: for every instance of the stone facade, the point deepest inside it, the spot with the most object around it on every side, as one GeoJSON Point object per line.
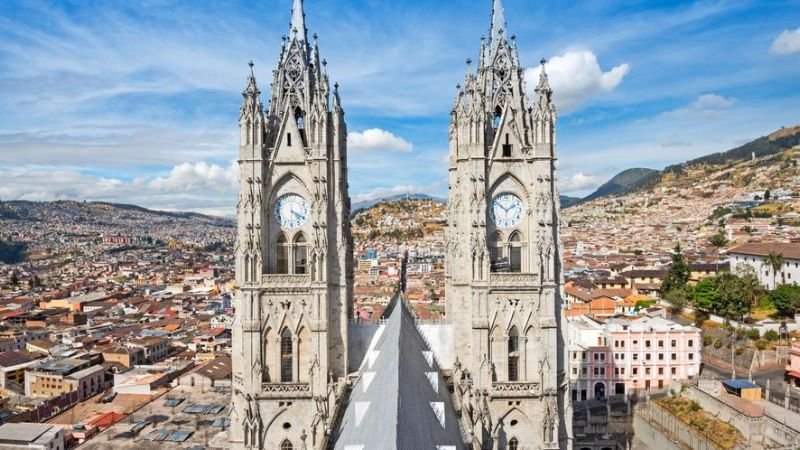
{"type": "Point", "coordinates": [503, 264]}
{"type": "Point", "coordinates": [293, 254]}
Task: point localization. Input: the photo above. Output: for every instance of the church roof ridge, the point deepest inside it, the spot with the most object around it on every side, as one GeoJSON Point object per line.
{"type": "Point", "coordinates": [400, 399]}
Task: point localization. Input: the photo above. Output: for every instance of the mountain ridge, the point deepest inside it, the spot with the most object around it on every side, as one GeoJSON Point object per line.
{"type": "Point", "coordinates": [636, 179]}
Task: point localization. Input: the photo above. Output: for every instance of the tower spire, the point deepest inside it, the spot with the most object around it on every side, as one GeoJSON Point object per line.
{"type": "Point", "coordinates": [297, 29]}
{"type": "Point", "coordinates": [498, 34]}
{"type": "Point", "coordinates": [498, 22]}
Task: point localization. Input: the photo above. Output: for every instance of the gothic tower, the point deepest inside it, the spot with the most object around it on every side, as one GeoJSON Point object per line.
{"type": "Point", "coordinates": [293, 254]}
{"type": "Point", "coordinates": [503, 273]}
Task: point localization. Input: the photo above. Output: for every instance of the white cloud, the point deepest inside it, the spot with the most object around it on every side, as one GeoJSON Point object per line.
{"type": "Point", "coordinates": [377, 139]}
{"type": "Point", "coordinates": [576, 77]}
{"type": "Point", "coordinates": [786, 43]}
{"type": "Point", "coordinates": [201, 187]}
{"type": "Point", "coordinates": [200, 175]}
{"type": "Point", "coordinates": [706, 105]}
{"type": "Point", "coordinates": [579, 182]}
{"type": "Point", "coordinates": [431, 189]}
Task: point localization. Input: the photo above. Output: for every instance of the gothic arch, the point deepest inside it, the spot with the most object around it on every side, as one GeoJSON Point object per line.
{"type": "Point", "coordinates": [287, 357]}
{"type": "Point", "coordinates": [509, 182]}
{"type": "Point", "coordinates": [283, 182]}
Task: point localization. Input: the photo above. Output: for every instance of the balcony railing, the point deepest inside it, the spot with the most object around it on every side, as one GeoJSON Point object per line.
{"type": "Point", "coordinates": [515, 389]}
{"type": "Point", "coordinates": [506, 280]}
{"type": "Point", "coordinates": [286, 390]}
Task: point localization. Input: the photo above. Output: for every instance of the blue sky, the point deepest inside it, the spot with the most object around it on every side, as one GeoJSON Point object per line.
{"type": "Point", "coordinates": [138, 101]}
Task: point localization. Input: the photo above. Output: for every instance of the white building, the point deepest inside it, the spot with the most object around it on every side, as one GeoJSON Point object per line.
{"type": "Point", "coordinates": [756, 256]}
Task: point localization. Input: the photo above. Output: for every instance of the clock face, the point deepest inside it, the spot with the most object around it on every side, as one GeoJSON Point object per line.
{"type": "Point", "coordinates": [291, 211]}
{"type": "Point", "coordinates": [507, 210]}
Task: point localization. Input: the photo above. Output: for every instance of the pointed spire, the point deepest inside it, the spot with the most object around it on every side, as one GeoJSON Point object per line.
{"type": "Point", "coordinates": [252, 87]}
{"type": "Point", "coordinates": [297, 29]}
{"type": "Point", "coordinates": [544, 83]}
{"type": "Point", "coordinates": [498, 34]}
{"type": "Point", "coordinates": [498, 22]}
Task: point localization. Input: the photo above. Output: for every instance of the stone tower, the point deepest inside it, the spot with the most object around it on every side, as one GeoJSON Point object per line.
{"type": "Point", "coordinates": [503, 274]}
{"type": "Point", "coordinates": [293, 254]}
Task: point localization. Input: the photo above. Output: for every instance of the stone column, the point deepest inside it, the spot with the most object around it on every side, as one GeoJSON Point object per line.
{"type": "Point", "coordinates": [504, 363]}
{"type": "Point", "coordinates": [278, 365]}
{"type": "Point", "coordinates": [296, 359]}
{"type": "Point", "coordinates": [523, 360]}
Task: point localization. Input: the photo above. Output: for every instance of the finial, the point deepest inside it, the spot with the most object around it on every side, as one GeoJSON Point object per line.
{"type": "Point", "coordinates": [543, 61]}
{"type": "Point", "coordinates": [469, 61]}
{"type": "Point", "coordinates": [513, 37]}
{"type": "Point", "coordinates": [458, 86]}
{"type": "Point", "coordinates": [283, 38]}
{"type": "Point", "coordinates": [251, 64]}
{"type": "Point", "coordinates": [315, 36]}
{"type": "Point", "coordinates": [336, 86]}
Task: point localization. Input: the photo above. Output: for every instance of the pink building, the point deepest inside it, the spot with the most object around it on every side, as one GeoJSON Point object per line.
{"type": "Point", "coordinates": [616, 356]}
{"type": "Point", "coordinates": [793, 369]}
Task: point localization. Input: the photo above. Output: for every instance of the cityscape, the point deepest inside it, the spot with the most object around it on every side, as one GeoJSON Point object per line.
{"type": "Point", "coordinates": [512, 304]}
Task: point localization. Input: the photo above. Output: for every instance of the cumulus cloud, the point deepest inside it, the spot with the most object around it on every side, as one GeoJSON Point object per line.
{"type": "Point", "coordinates": [579, 182]}
{"type": "Point", "coordinates": [377, 193]}
{"type": "Point", "coordinates": [786, 43]}
{"type": "Point", "coordinates": [377, 139]}
{"type": "Point", "coordinates": [576, 77]}
{"type": "Point", "coordinates": [706, 105]}
{"type": "Point", "coordinates": [199, 175]}
{"type": "Point", "coordinates": [201, 187]}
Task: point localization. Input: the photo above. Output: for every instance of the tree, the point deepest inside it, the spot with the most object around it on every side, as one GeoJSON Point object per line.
{"type": "Point", "coordinates": [767, 195]}
{"type": "Point", "coordinates": [677, 299]}
{"type": "Point", "coordinates": [786, 299]}
{"type": "Point", "coordinates": [14, 278]}
{"type": "Point", "coordinates": [736, 296]}
{"type": "Point", "coordinates": [718, 241]}
{"type": "Point", "coordinates": [775, 261]}
{"type": "Point", "coordinates": [678, 275]}
{"type": "Point", "coordinates": [706, 296]}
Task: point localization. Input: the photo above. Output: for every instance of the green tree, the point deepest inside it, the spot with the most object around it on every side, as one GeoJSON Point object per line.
{"type": "Point", "coordinates": [775, 261]}
{"type": "Point", "coordinates": [677, 299]}
{"type": "Point", "coordinates": [767, 195]}
{"type": "Point", "coordinates": [736, 298]}
{"type": "Point", "coordinates": [706, 296]}
{"type": "Point", "coordinates": [786, 299]}
{"type": "Point", "coordinates": [718, 241]}
{"type": "Point", "coordinates": [771, 335]}
{"type": "Point", "coordinates": [678, 275]}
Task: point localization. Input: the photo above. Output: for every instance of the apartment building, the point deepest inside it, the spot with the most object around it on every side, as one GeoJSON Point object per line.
{"type": "Point", "coordinates": [620, 355]}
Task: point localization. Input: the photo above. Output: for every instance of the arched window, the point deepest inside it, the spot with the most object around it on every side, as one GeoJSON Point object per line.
{"type": "Point", "coordinates": [300, 251]}
{"type": "Point", "coordinates": [515, 250]}
{"type": "Point", "coordinates": [498, 113]}
{"type": "Point", "coordinates": [286, 356]}
{"type": "Point", "coordinates": [286, 445]}
{"type": "Point", "coordinates": [513, 444]}
{"type": "Point", "coordinates": [513, 354]}
{"type": "Point", "coordinates": [298, 117]}
{"type": "Point", "coordinates": [282, 251]}
{"type": "Point", "coordinates": [497, 253]}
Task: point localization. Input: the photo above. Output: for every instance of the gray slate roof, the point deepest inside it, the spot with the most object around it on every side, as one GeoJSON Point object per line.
{"type": "Point", "coordinates": [400, 400]}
